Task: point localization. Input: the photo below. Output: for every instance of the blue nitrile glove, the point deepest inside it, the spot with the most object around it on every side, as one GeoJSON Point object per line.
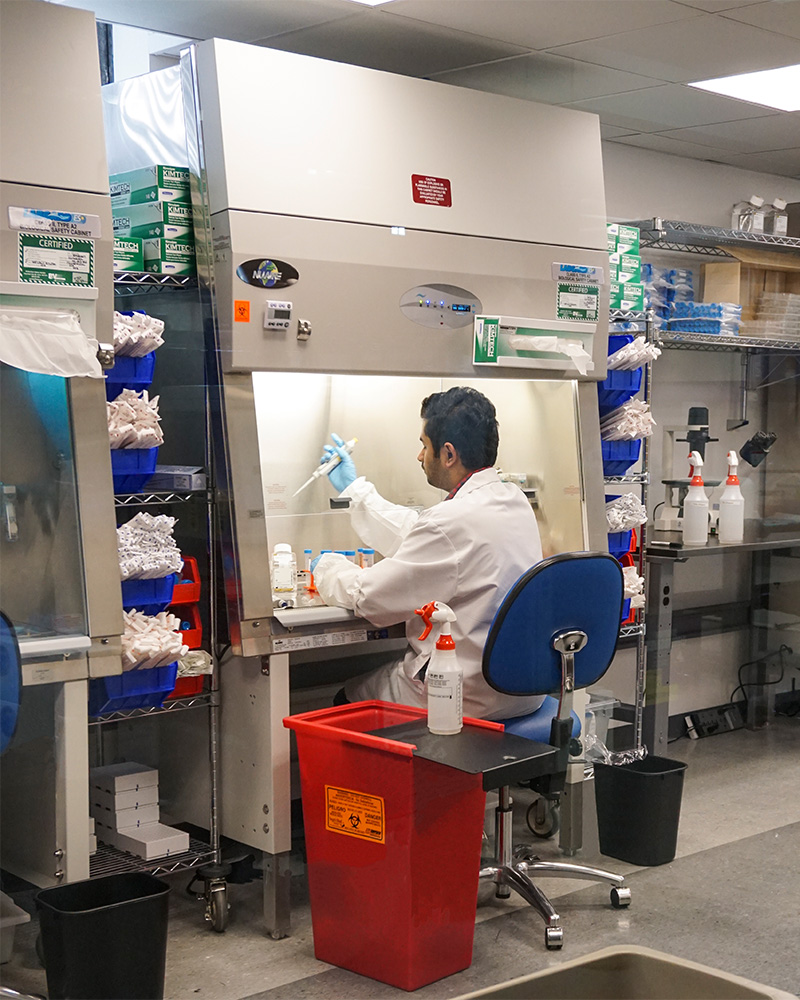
{"type": "Point", "coordinates": [344, 472]}
{"type": "Point", "coordinates": [314, 562]}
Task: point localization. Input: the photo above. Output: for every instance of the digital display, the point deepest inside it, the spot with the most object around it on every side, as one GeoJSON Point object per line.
{"type": "Point", "coordinates": [460, 307]}
{"type": "Point", "coordinates": [281, 313]}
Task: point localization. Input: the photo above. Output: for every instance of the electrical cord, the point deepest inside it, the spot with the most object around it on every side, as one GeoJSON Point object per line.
{"type": "Point", "coordinates": [742, 685]}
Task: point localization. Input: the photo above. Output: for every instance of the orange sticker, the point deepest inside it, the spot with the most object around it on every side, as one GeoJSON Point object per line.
{"type": "Point", "coordinates": [241, 311]}
{"type": "Point", "coordinates": [354, 814]}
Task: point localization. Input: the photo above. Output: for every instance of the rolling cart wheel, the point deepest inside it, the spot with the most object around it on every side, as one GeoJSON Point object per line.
{"type": "Point", "coordinates": [542, 817]}
{"type": "Point", "coordinates": [218, 908]}
{"type": "Point", "coordinates": [553, 938]}
{"type": "Point", "coordinates": [620, 897]}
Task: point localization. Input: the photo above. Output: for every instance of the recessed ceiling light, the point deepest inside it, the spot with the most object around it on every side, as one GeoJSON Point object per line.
{"type": "Point", "coordinates": [773, 88]}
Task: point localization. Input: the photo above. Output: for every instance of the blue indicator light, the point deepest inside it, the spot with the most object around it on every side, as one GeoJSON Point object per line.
{"type": "Point", "coordinates": [427, 302]}
{"type": "Point", "coordinates": [441, 303]}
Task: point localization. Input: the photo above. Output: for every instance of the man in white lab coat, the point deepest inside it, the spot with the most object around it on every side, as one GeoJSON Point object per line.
{"type": "Point", "coordinates": [465, 551]}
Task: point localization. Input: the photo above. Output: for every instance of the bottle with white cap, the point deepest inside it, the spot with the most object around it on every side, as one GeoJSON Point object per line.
{"type": "Point", "coordinates": [695, 506]}
{"type": "Point", "coordinates": [731, 506]}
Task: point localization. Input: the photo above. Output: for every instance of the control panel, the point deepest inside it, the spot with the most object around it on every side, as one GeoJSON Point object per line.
{"type": "Point", "coordinates": [277, 315]}
{"type": "Point", "coordinates": [438, 305]}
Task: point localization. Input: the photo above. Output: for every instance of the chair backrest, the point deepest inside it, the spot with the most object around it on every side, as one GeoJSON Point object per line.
{"type": "Point", "coordinates": [10, 681]}
{"type": "Point", "coordinates": [573, 590]}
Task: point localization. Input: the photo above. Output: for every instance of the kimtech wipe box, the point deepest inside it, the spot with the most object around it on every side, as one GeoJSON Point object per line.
{"type": "Point", "coordinates": [153, 183]}
{"type": "Point", "coordinates": [622, 239]}
{"type": "Point", "coordinates": [171, 220]}
{"type": "Point", "coordinates": [626, 295]}
{"type": "Point", "coordinates": [128, 254]}
{"type": "Point", "coordinates": [169, 257]}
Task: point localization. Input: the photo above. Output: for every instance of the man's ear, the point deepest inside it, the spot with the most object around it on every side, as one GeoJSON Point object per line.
{"type": "Point", "coordinates": [449, 455]}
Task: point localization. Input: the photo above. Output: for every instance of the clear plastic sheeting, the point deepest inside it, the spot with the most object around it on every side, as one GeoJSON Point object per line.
{"type": "Point", "coordinates": [573, 349]}
{"type": "Point", "coordinates": [595, 750]}
{"type": "Point", "coordinates": [47, 342]}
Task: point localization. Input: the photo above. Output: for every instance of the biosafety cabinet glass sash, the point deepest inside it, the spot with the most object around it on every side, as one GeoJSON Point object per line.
{"type": "Point", "coordinates": [41, 563]}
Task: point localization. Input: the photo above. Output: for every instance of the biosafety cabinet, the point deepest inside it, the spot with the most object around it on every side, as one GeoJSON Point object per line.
{"type": "Point", "coordinates": [59, 576]}
{"type": "Point", "coordinates": [366, 239]}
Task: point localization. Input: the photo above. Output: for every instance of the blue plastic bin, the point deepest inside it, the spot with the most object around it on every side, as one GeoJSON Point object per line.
{"type": "Point", "coordinates": [626, 609]}
{"type": "Point", "coordinates": [619, 456]}
{"type": "Point", "coordinates": [619, 543]}
{"type": "Point", "coordinates": [132, 467]}
{"type": "Point", "coordinates": [618, 388]}
{"type": "Point", "coordinates": [130, 373]}
{"type": "Point", "coordinates": [148, 596]}
{"type": "Point", "coordinates": [131, 689]}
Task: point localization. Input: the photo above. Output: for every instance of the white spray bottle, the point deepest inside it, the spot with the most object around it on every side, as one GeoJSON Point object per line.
{"type": "Point", "coordinates": [695, 506]}
{"type": "Point", "coordinates": [444, 678]}
{"type": "Point", "coordinates": [731, 506]}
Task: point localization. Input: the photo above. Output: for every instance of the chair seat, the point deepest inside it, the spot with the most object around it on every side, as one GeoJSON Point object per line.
{"type": "Point", "coordinates": [536, 726]}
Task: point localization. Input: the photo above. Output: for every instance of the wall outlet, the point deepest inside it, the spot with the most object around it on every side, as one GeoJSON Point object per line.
{"type": "Point", "coordinates": [710, 721]}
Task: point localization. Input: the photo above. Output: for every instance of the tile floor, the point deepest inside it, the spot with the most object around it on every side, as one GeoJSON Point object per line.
{"type": "Point", "coordinates": [729, 900]}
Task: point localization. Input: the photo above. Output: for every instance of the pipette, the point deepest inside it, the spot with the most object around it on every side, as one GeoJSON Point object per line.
{"type": "Point", "coordinates": [325, 467]}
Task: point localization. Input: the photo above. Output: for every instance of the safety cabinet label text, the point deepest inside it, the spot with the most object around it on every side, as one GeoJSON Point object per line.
{"type": "Point", "coordinates": [578, 301]}
{"type": "Point", "coordinates": [56, 260]}
{"type": "Point", "coordinates": [355, 814]}
{"type": "Point", "coordinates": [431, 190]}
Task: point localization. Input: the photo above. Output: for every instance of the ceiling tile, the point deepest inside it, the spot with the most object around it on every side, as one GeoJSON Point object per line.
{"type": "Point", "coordinates": [675, 147]}
{"type": "Point", "coordinates": [783, 18]}
{"type": "Point", "coordinates": [541, 24]}
{"type": "Point", "coordinates": [716, 6]}
{"type": "Point", "coordinates": [613, 131]}
{"type": "Point", "coordinates": [755, 135]}
{"type": "Point", "coordinates": [238, 20]}
{"type": "Point", "coordinates": [784, 162]}
{"type": "Point", "coordinates": [701, 49]}
{"type": "Point", "coordinates": [399, 45]}
{"type": "Point", "coordinates": [546, 78]}
{"type": "Point", "coordinates": [668, 106]}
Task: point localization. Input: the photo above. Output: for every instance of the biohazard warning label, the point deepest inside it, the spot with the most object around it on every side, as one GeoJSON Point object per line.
{"type": "Point", "coordinates": [431, 190]}
{"type": "Point", "coordinates": [354, 814]}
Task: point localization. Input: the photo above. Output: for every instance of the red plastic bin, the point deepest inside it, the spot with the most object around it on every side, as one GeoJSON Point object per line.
{"type": "Point", "coordinates": [187, 686]}
{"type": "Point", "coordinates": [187, 588]}
{"type": "Point", "coordinates": [380, 824]}
{"type": "Point", "coordinates": [191, 626]}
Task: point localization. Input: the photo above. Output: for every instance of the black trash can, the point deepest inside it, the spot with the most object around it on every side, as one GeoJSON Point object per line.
{"type": "Point", "coordinates": [105, 938]}
{"type": "Point", "coordinates": [639, 808]}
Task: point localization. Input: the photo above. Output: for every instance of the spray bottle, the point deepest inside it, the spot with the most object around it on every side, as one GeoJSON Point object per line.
{"type": "Point", "coordinates": [695, 506]}
{"type": "Point", "coordinates": [444, 677]}
{"type": "Point", "coordinates": [731, 506]}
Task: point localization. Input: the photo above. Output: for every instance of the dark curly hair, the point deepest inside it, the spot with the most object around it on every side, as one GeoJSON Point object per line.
{"type": "Point", "coordinates": [467, 419]}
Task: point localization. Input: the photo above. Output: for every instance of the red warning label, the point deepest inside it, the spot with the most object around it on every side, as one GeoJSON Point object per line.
{"type": "Point", "coordinates": [431, 190]}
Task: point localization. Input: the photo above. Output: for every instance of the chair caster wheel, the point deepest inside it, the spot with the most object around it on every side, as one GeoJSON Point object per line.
{"type": "Point", "coordinates": [543, 818]}
{"type": "Point", "coordinates": [553, 938]}
{"type": "Point", "coordinates": [620, 897]}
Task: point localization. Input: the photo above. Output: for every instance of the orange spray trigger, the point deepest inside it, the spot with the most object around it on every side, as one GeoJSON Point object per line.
{"type": "Point", "coordinates": [425, 613]}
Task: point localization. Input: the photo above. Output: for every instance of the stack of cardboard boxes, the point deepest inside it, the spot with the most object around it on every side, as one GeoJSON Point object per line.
{"type": "Point", "coordinates": [152, 214]}
{"type": "Point", "coordinates": [625, 268]}
{"type": "Point", "coordinates": [124, 805]}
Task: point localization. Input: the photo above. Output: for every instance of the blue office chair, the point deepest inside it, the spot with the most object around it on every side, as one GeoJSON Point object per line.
{"type": "Point", "coordinates": [10, 681]}
{"type": "Point", "coordinates": [555, 632]}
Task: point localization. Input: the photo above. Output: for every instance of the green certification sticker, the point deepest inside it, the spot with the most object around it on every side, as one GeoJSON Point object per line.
{"type": "Point", "coordinates": [56, 260]}
{"type": "Point", "coordinates": [578, 301]}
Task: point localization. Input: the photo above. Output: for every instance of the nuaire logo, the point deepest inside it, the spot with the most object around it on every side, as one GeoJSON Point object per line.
{"type": "Point", "coordinates": [267, 272]}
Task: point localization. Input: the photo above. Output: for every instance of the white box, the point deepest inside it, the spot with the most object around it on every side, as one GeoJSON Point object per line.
{"type": "Point", "coordinates": [93, 844]}
{"type": "Point", "coordinates": [148, 842]}
{"type": "Point", "coordinates": [121, 777]}
{"type": "Point", "coordinates": [178, 477]}
{"type": "Point", "coordinates": [129, 799]}
{"type": "Point", "coordinates": [11, 916]}
{"type": "Point", "coordinates": [126, 819]}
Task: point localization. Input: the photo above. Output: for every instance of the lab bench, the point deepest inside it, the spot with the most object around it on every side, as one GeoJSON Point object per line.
{"type": "Point", "coordinates": [663, 550]}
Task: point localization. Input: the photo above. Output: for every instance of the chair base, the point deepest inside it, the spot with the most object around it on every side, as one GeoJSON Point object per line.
{"type": "Point", "coordinates": [514, 871]}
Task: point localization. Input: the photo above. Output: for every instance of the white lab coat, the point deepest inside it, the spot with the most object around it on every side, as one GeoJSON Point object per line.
{"type": "Point", "coordinates": [466, 552]}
